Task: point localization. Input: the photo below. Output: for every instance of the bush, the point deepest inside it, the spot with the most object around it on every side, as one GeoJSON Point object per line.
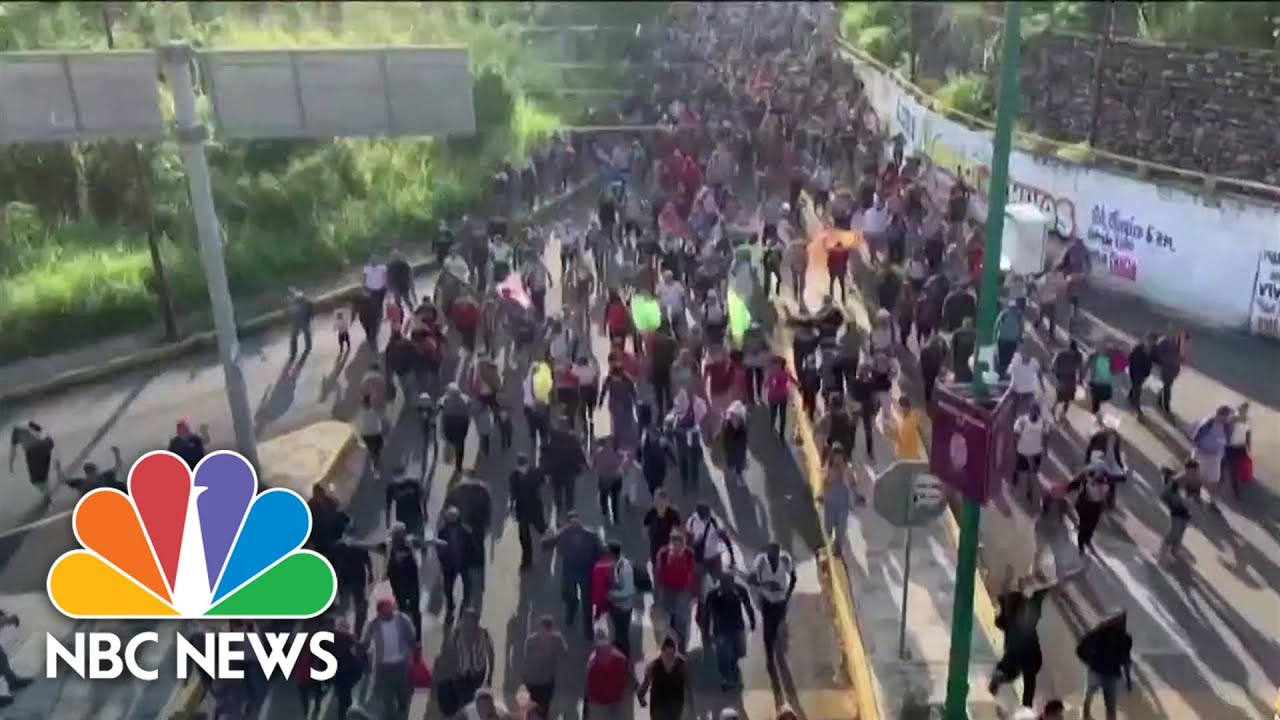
{"type": "Point", "coordinates": [967, 94]}
{"type": "Point", "coordinates": [293, 211]}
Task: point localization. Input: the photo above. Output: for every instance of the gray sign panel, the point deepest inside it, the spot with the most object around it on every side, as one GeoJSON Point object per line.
{"type": "Point", "coordinates": [64, 97]}
{"type": "Point", "coordinates": [349, 92]}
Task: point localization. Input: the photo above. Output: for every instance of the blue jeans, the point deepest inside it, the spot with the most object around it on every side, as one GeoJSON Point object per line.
{"type": "Point", "coordinates": [1108, 684]}
{"type": "Point", "coordinates": [730, 647]}
{"type": "Point", "coordinates": [677, 607]}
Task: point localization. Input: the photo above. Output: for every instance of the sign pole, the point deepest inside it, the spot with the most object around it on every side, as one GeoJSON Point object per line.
{"type": "Point", "coordinates": [191, 135]}
{"type": "Point", "coordinates": [971, 510]}
{"type": "Point", "coordinates": [906, 586]}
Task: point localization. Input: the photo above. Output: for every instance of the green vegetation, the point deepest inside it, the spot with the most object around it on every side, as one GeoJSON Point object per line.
{"type": "Point", "coordinates": [967, 93]}
{"type": "Point", "coordinates": [74, 261]}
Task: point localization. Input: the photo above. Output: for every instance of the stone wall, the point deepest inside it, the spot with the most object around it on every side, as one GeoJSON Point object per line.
{"type": "Point", "coordinates": [1214, 111]}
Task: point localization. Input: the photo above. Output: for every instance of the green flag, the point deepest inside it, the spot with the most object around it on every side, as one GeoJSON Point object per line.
{"type": "Point", "coordinates": [739, 316]}
{"type": "Point", "coordinates": [646, 315]}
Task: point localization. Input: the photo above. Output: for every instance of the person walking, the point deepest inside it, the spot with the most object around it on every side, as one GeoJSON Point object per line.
{"type": "Point", "coordinates": [724, 609]}
{"type": "Point", "coordinates": [774, 579]}
{"type": "Point", "coordinates": [1177, 487]}
{"type": "Point", "coordinates": [456, 545]}
{"type": "Point", "coordinates": [1020, 608]}
{"type": "Point", "coordinates": [608, 672]}
{"type": "Point", "coordinates": [675, 584]}
{"type": "Point", "coordinates": [1237, 460]}
{"type": "Point", "coordinates": [526, 484]}
{"type": "Point", "coordinates": [403, 573]}
{"type": "Point", "coordinates": [371, 424]}
{"type": "Point", "coordinates": [577, 549]}
{"type": "Point", "coordinates": [543, 650]}
{"type": "Point", "coordinates": [1091, 490]}
{"type": "Point", "coordinates": [350, 666]}
{"type": "Point", "coordinates": [389, 641]}
{"type": "Point", "coordinates": [659, 521]}
{"type": "Point", "coordinates": [37, 450]}
{"type": "Point", "coordinates": [667, 687]}
{"type": "Point", "coordinates": [301, 312]}
{"type": "Point", "coordinates": [838, 497]}
{"type": "Point", "coordinates": [1170, 354]}
{"type": "Point", "coordinates": [1142, 362]}
{"type": "Point", "coordinates": [1067, 367]}
{"type": "Point", "coordinates": [1208, 446]}
{"type": "Point", "coordinates": [1100, 372]}
{"type": "Point", "coordinates": [468, 653]}
{"type": "Point", "coordinates": [1008, 332]}
{"type": "Point", "coordinates": [1106, 652]}
{"type": "Point", "coordinates": [621, 595]}
{"type": "Point", "coordinates": [1030, 432]}
{"type": "Point", "coordinates": [455, 422]}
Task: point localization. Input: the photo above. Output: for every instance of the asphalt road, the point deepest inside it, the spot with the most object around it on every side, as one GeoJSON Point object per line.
{"type": "Point", "coordinates": [137, 413]}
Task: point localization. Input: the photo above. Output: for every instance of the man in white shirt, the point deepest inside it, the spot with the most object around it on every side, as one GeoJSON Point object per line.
{"type": "Point", "coordinates": [389, 641]}
{"type": "Point", "coordinates": [774, 578]}
{"type": "Point", "coordinates": [1025, 380]}
{"type": "Point", "coordinates": [671, 295]}
{"type": "Point", "coordinates": [1031, 431]}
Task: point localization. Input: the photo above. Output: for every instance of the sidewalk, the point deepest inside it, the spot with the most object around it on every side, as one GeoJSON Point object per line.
{"type": "Point", "coordinates": [1205, 641]}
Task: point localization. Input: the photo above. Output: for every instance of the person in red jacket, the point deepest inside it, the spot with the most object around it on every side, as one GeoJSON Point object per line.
{"type": "Point", "coordinates": [837, 269]}
{"type": "Point", "coordinates": [465, 315]}
{"type": "Point", "coordinates": [674, 573]}
{"type": "Point", "coordinates": [777, 381]}
{"type": "Point", "coordinates": [617, 319]}
{"type": "Point", "coordinates": [608, 673]}
{"type": "Point", "coordinates": [601, 579]}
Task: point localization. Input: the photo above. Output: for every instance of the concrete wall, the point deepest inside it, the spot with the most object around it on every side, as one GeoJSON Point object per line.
{"type": "Point", "coordinates": [1215, 111]}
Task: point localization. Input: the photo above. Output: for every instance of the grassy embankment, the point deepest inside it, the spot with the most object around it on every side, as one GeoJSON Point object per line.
{"type": "Point", "coordinates": [293, 211]}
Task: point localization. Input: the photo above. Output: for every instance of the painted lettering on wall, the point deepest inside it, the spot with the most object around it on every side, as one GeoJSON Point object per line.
{"type": "Point", "coordinates": [907, 121]}
{"type": "Point", "coordinates": [1265, 310]}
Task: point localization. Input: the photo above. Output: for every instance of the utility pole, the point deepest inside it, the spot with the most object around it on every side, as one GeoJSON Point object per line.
{"type": "Point", "coordinates": [1099, 66]}
{"type": "Point", "coordinates": [971, 510]}
{"type": "Point", "coordinates": [142, 174]}
{"type": "Point", "coordinates": [191, 135]}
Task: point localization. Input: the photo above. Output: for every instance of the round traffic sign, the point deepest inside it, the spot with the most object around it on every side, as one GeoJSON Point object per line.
{"type": "Point", "coordinates": [906, 493]}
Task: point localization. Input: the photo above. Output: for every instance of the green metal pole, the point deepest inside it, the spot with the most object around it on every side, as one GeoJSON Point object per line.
{"type": "Point", "coordinates": [971, 511]}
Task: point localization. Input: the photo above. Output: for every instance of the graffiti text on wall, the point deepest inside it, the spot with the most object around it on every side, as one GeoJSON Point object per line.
{"type": "Point", "coordinates": [1113, 238]}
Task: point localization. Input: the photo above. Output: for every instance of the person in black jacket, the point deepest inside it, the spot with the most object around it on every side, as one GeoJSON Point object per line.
{"type": "Point", "coordinates": [1020, 607]}
{"type": "Point", "coordinates": [562, 460]}
{"type": "Point", "coordinates": [1142, 360]}
{"type": "Point", "coordinates": [526, 506]}
{"type": "Point", "coordinates": [457, 547]}
{"type": "Point", "coordinates": [1106, 653]}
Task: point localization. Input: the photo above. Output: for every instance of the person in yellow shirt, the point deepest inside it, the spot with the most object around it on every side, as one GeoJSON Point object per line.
{"type": "Point", "coordinates": [907, 443]}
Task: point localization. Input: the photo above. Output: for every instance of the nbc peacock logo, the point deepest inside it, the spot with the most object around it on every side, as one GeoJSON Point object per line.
{"type": "Point", "coordinates": [183, 544]}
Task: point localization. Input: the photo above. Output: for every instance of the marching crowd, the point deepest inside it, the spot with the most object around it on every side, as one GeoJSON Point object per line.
{"type": "Point", "coordinates": [675, 267]}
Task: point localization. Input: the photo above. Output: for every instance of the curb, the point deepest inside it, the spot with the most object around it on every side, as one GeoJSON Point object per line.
{"type": "Point", "coordinates": [856, 663]}
{"type": "Point", "coordinates": [984, 603]}
{"type": "Point", "coordinates": [186, 702]}
{"type": "Point", "coordinates": [208, 339]}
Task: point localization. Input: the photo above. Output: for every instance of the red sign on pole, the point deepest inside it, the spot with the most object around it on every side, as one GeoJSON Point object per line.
{"type": "Point", "coordinates": [973, 444]}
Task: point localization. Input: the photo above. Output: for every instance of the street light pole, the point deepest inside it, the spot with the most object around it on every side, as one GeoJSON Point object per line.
{"type": "Point", "coordinates": [191, 135]}
{"type": "Point", "coordinates": [971, 510]}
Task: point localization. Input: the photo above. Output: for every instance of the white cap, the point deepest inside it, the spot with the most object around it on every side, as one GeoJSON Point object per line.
{"type": "Point", "coordinates": [1026, 714]}
{"type": "Point", "coordinates": [729, 714]}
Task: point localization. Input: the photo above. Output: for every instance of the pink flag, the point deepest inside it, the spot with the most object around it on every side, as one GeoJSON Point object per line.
{"type": "Point", "coordinates": [513, 288]}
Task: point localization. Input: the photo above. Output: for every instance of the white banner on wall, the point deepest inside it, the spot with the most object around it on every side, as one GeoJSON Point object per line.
{"type": "Point", "coordinates": [1266, 295]}
{"type": "Point", "coordinates": [1164, 244]}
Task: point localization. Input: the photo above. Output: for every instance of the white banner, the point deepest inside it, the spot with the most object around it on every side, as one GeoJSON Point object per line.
{"type": "Point", "coordinates": [1266, 295]}
{"type": "Point", "coordinates": [1164, 244]}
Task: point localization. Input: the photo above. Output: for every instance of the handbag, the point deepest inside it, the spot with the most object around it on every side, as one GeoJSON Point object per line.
{"type": "Point", "coordinates": [1244, 468]}
{"type": "Point", "coordinates": [419, 673]}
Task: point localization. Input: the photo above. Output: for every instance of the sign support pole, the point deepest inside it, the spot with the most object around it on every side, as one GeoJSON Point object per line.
{"type": "Point", "coordinates": [906, 585]}
{"type": "Point", "coordinates": [971, 511]}
{"type": "Point", "coordinates": [191, 135]}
